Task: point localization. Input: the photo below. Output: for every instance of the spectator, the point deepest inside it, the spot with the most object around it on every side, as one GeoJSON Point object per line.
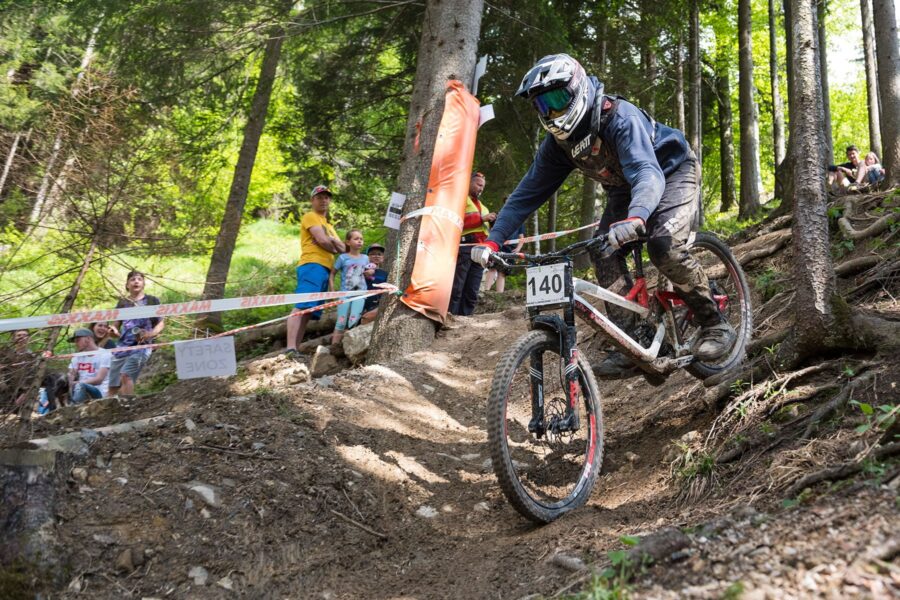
{"type": "Point", "coordinates": [467, 279]}
{"type": "Point", "coordinates": [375, 252]}
{"type": "Point", "coordinates": [103, 334]}
{"type": "Point", "coordinates": [126, 365]}
{"type": "Point", "coordinates": [21, 339]}
{"type": "Point", "coordinates": [88, 373]}
{"type": "Point", "coordinates": [318, 245]}
{"type": "Point", "coordinates": [871, 173]}
{"type": "Point", "coordinates": [353, 266]}
{"type": "Point", "coordinates": [498, 276]}
{"type": "Point", "coordinates": [841, 176]}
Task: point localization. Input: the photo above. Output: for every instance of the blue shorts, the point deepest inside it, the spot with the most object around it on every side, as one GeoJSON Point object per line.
{"type": "Point", "coordinates": [311, 278]}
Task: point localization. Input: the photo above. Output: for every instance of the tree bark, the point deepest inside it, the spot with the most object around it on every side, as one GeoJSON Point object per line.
{"type": "Point", "coordinates": [586, 217]}
{"type": "Point", "coordinates": [536, 224]}
{"type": "Point", "coordinates": [679, 84]}
{"type": "Point", "coordinates": [888, 60]}
{"type": "Point", "coordinates": [694, 132]}
{"type": "Point", "coordinates": [822, 9]}
{"type": "Point", "coordinates": [220, 262]}
{"type": "Point", "coordinates": [447, 50]}
{"type": "Point", "coordinates": [868, 34]}
{"type": "Point", "coordinates": [814, 279]}
{"type": "Point", "coordinates": [749, 117]}
{"type": "Point", "coordinates": [777, 104]}
{"type": "Point", "coordinates": [726, 136]}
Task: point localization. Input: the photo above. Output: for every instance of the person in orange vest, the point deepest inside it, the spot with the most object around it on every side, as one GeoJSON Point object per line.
{"type": "Point", "coordinates": [467, 278]}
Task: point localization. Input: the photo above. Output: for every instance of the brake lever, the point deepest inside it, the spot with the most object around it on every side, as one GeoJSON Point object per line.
{"type": "Point", "coordinates": [497, 261]}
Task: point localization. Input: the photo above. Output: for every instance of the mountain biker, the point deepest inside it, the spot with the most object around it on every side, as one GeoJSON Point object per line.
{"type": "Point", "coordinates": [651, 177]}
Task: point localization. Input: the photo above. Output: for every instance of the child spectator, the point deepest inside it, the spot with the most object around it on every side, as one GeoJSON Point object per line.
{"type": "Point", "coordinates": [375, 252]}
{"type": "Point", "coordinates": [871, 173]}
{"type": "Point", "coordinates": [88, 373]}
{"type": "Point", "coordinates": [103, 334]}
{"type": "Point", "coordinates": [127, 365]}
{"type": "Point", "coordinates": [353, 267]}
{"type": "Point", "coordinates": [318, 245]}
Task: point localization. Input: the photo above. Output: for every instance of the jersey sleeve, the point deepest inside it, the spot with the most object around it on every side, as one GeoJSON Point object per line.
{"type": "Point", "coordinates": [639, 165]}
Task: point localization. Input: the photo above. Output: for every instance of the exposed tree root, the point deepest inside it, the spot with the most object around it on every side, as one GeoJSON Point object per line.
{"type": "Point", "coordinates": [836, 403]}
{"type": "Point", "coordinates": [763, 246]}
{"type": "Point", "coordinates": [767, 341]}
{"type": "Point", "coordinates": [846, 225]}
{"type": "Point", "coordinates": [876, 331]}
{"type": "Point", "coordinates": [885, 272]}
{"type": "Point", "coordinates": [857, 265]}
{"type": "Point", "coordinates": [841, 471]}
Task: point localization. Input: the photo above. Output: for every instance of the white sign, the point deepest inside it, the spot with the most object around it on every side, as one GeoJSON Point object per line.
{"type": "Point", "coordinates": [205, 358]}
{"type": "Point", "coordinates": [394, 210]}
{"type": "Point", "coordinates": [545, 285]}
{"type": "Point", "coordinates": [480, 68]}
{"type": "Point", "coordinates": [485, 114]}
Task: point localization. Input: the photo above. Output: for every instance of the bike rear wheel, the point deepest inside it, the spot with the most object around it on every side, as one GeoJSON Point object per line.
{"type": "Point", "coordinates": [729, 287]}
{"type": "Point", "coordinates": [544, 476]}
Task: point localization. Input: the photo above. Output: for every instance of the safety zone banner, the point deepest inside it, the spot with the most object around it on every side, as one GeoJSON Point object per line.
{"type": "Point", "coordinates": [169, 310]}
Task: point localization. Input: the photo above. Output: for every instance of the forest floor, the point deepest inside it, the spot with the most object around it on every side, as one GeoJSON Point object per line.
{"type": "Point", "coordinates": [375, 482]}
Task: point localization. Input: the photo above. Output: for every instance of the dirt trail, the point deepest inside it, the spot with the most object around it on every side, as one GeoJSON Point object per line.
{"type": "Point", "coordinates": [375, 483]}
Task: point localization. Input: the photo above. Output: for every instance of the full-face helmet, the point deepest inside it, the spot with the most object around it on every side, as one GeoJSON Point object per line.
{"type": "Point", "coordinates": [560, 91]}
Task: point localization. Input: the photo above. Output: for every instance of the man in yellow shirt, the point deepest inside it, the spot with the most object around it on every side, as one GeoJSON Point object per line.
{"type": "Point", "coordinates": [319, 243]}
{"type": "Point", "coordinates": [467, 278]}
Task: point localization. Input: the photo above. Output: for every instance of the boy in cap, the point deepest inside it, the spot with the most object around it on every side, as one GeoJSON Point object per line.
{"type": "Point", "coordinates": [319, 243]}
{"type": "Point", "coordinates": [375, 252]}
{"type": "Point", "coordinates": [88, 373]}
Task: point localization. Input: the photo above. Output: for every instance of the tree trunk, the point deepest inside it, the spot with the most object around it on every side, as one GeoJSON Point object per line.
{"type": "Point", "coordinates": [777, 104]}
{"type": "Point", "coordinates": [49, 181]}
{"type": "Point", "coordinates": [551, 219]}
{"type": "Point", "coordinates": [10, 157]}
{"type": "Point", "coordinates": [749, 117]}
{"type": "Point", "coordinates": [536, 224]}
{"type": "Point", "coordinates": [694, 132]}
{"type": "Point", "coordinates": [649, 56]}
{"type": "Point", "coordinates": [217, 274]}
{"type": "Point", "coordinates": [678, 54]}
{"type": "Point", "coordinates": [726, 137]}
{"type": "Point", "coordinates": [868, 34]}
{"type": "Point", "coordinates": [447, 50]}
{"type": "Point", "coordinates": [789, 48]}
{"type": "Point", "coordinates": [586, 217]}
{"type": "Point", "coordinates": [823, 70]}
{"type": "Point", "coordinates": [813, 274]}
{"type": "Point", "coordinates": [888, 60]}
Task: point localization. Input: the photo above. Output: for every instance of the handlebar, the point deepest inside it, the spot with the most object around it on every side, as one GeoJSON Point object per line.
{"type": "Point", "coordinates": [520, 259]}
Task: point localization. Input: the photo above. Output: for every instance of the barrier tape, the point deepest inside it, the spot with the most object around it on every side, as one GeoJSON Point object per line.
{"type": "Point", "coordinates": [386, 289]}
{"type": "Point", "coordinates": [437, 212]}
{"type": "Point", "coordinates": [544, 236]}
{"type": "Point", "coordinates": [168, 310]}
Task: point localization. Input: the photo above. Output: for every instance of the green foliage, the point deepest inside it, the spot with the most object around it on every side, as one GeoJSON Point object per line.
{"type": "Point", "coordinates": [880, 417]}
{"type": "Point", "coordinates": [769, 283]}
{"type": "Point", "coordinates": [692, 463]}
{"type": "Point", "coordinates": [733, 591]}
{"type": "Point", "coordinates": [612, 583]}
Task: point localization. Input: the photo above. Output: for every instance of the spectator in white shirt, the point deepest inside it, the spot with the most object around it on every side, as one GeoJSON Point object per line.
{"type": "Point", "coordinates": [88, 373]}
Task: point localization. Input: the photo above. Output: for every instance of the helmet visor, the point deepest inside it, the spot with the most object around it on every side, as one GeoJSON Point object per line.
{"type": "Point", "coordinates": [550, 104]}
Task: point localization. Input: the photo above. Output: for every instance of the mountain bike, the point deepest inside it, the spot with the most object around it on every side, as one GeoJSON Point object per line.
{"type": "Point", "coordinates": [545, 423]}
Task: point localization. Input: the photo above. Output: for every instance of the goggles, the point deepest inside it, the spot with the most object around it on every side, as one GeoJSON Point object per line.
{"type": "Point", "coordinates": [549, 104]}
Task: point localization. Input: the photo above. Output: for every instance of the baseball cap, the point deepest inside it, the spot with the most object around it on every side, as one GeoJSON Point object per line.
{"type": "Point", "coordinates": [81, 333]}
{"type": "Point", "coordinates": [374, 247]}
{"type": "Point", "coordinates": [320, 189]}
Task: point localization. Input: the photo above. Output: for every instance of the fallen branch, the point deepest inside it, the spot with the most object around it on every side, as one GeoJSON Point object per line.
{"type": "Point", "coordinates": [836, 403]}
{"type": "Point", "coordinates": [356, 523]}
{"type": "Point", "coordinates": [842, 471]}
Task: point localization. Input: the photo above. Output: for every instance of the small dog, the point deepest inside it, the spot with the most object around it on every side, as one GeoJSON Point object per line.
{"type": "Point", "coordinates": [57, 386]}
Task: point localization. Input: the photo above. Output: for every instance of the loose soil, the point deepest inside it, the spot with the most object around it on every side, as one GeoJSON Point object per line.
{"type": "Point", "coordinates": [376, 483]}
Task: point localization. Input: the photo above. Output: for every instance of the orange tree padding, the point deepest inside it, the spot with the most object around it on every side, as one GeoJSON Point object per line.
{"type": "Point", "coordinates": [448, 186]}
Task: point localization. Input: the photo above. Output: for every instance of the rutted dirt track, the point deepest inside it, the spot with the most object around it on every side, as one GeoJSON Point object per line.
{"type": "Point", "coordinates": [375, 483]}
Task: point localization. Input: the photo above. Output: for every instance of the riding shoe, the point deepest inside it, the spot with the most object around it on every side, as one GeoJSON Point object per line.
{"type": "Point", "coordinates": [714, 341]}
{"type": "Point", "coordinates": [616, 366]}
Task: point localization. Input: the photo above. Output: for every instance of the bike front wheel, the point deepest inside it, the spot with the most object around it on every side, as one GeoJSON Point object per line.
{"type": "Point", "coordinates": [546, 466]}
{"type": "Point", "coordinates": [730, 290]}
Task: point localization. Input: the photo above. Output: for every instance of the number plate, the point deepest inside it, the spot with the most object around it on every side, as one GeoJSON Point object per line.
{"type": "Point", "coordinates": [545, 285]}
